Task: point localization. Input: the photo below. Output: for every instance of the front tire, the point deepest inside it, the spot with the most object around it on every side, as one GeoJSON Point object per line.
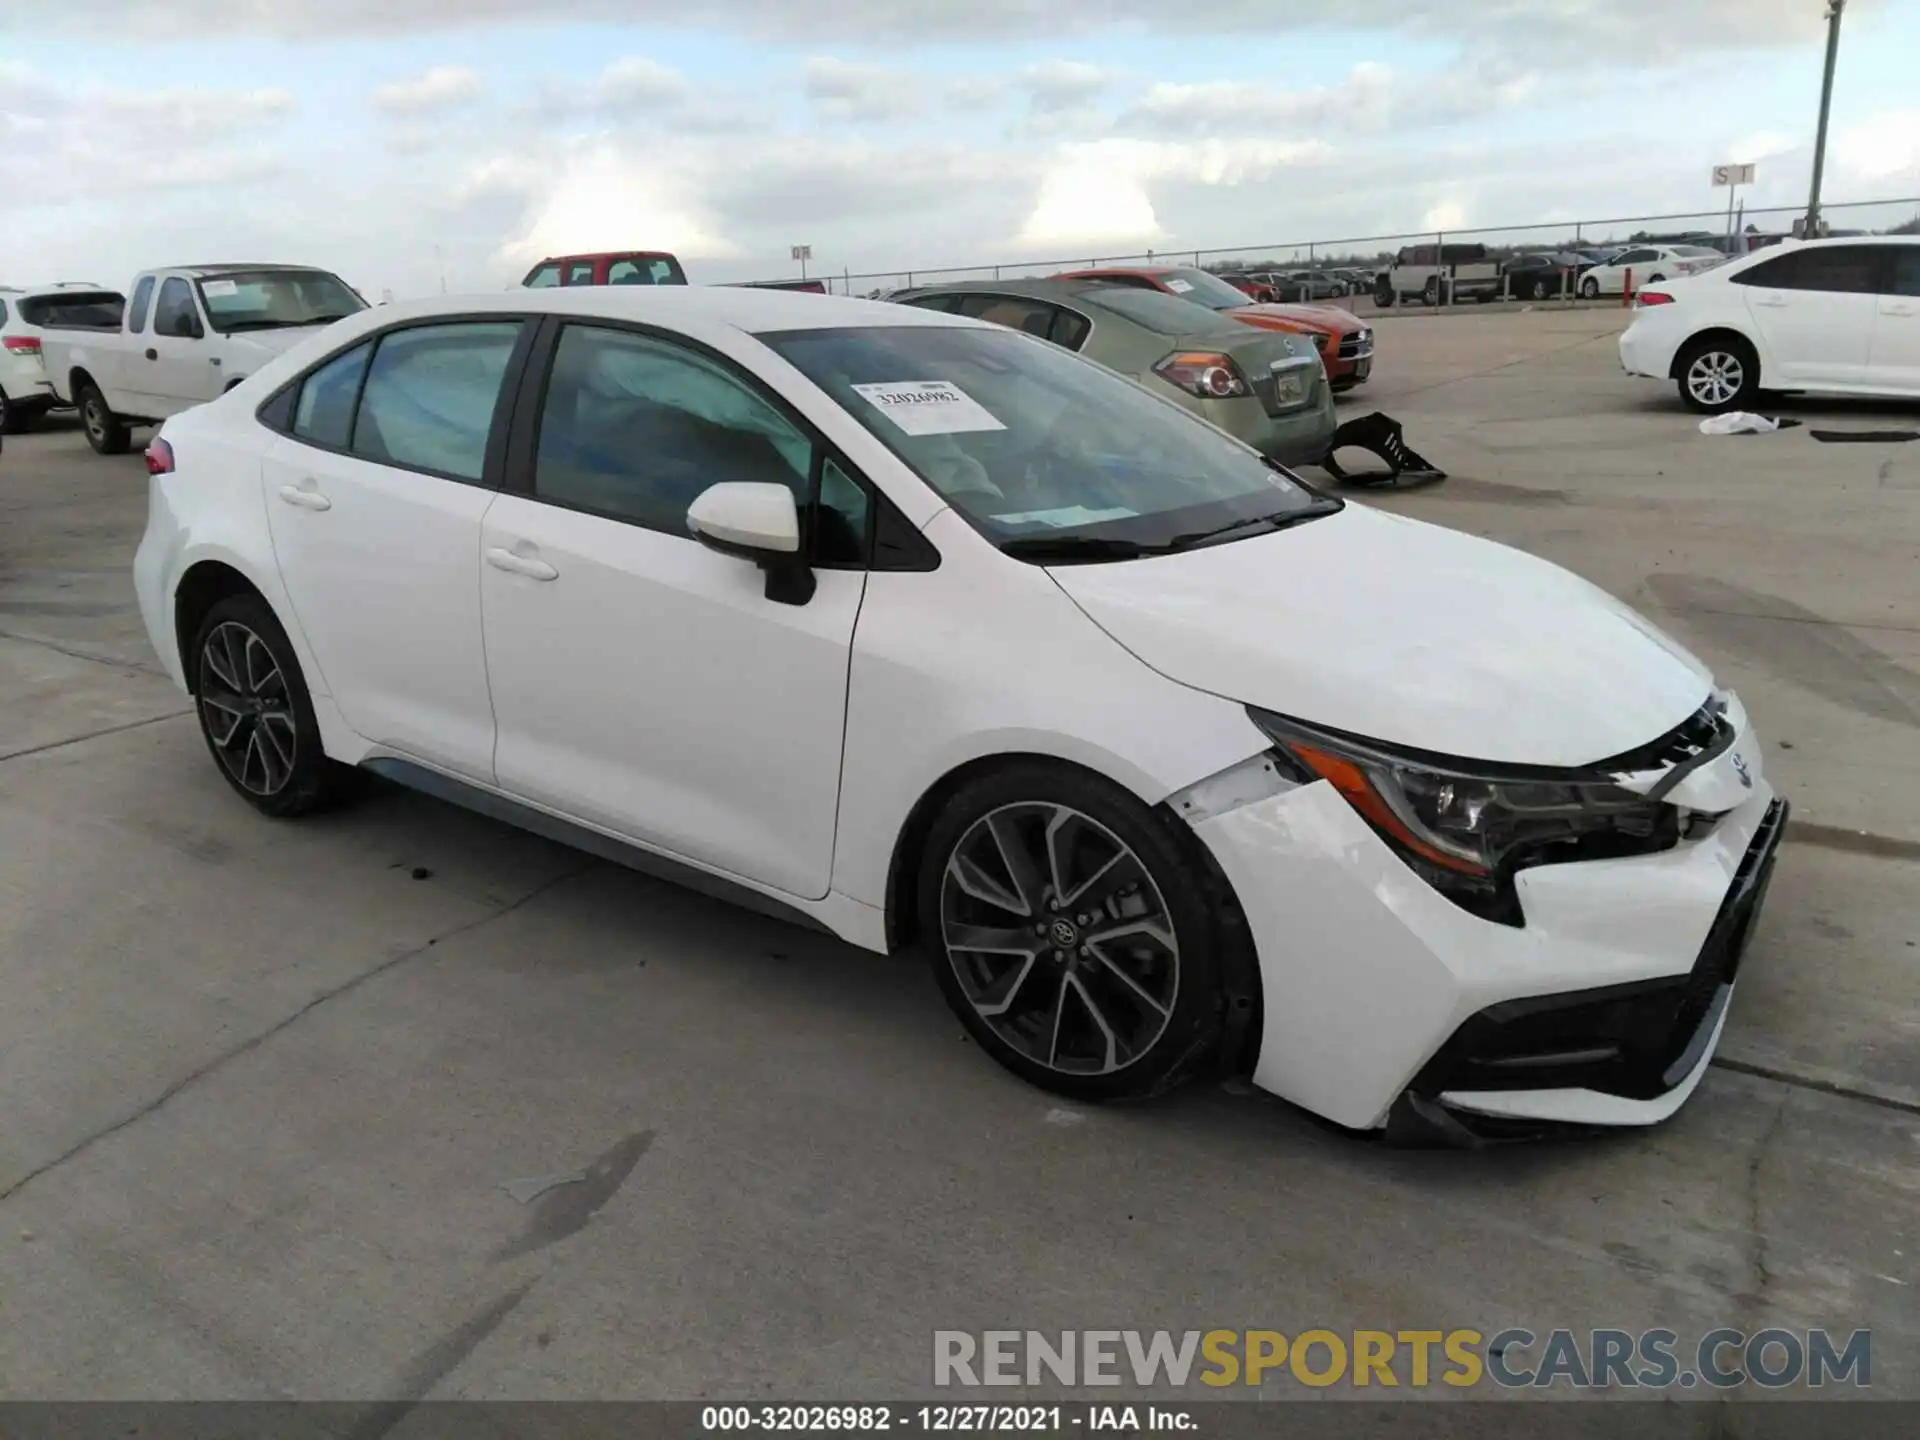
{"type": "Point", "coordinates": [107, 433]}
{"type": "Point", "coordinates": [1718, 373]}
{"type": "Point", "coordinates": [255, 713]}
{"type": "Point", "coordinates": [1073, 934]}
{"type": "Point", "coordinates": [1590, 288]}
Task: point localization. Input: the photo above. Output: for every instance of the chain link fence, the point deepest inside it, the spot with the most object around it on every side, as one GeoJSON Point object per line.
{"type": "Point", "coordinates": [1349, 270]}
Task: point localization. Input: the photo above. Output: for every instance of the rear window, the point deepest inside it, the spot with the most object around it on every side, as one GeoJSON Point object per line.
{"type": "Point", "coordinates": [75, 310]}
{"type": "Point", "coordinates": [1204, 288]}
{"type": "Point", "coordinates": [1149, 309]}
{"type": "Point", "coordinates": [646, 270]}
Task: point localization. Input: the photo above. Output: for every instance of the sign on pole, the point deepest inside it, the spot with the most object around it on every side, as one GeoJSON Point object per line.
{"type": "Point", "coordinates": [805, 252]}
{"type": "Point", "coordinates": [1732, 175]}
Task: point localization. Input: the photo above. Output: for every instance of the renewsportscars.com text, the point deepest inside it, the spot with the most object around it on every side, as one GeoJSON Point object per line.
{"type": "Point", "coordinates": [1511, 1358]}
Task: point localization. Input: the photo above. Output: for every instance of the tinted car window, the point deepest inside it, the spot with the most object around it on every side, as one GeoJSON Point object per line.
{"type": "Point", "coordinates": [174, 314]}
{"type": "Point", "coordinates": [1903, 274]}
{"type": "Point", "coordinates": [142, 294]}
{"type": "Point", "coordinates": [430, 396]}
{"type": "Point", "coordinates": [74, 310]}
{"type": "Point", "coordinates": [636, 429]}
{"type": "Point", "coordinates": [656, 270]}
{"type": "Point", "coordinates": [544, 277]}
{"type": "Point", "coordinates": [945, 304]}
{"type": "Point", "coordinates": [1013, 311]}
{"type": "Point", "coordinates": [1837, 269]}
{"type": "Point", "coordinates": [325, 412]}
{"type": "Point", "coordinates": [1162, 314]}
{"type": "Point", "coordinates": [580, 272]}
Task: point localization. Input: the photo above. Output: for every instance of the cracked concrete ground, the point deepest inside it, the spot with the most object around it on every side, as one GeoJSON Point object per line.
{"type": "Point", "coordinates": [261, 1085]}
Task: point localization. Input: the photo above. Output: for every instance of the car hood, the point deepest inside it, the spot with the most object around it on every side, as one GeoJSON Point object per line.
{"type": "Point", "coordinates": [1402, 632]}
{"type": "Point", "coordinates": [1293, 317]}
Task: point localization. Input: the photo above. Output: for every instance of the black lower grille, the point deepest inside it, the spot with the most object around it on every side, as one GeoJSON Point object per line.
{"type": "Point", "coordinates": [1636, 1041]}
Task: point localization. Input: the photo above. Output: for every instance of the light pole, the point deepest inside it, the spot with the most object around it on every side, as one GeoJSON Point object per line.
{"type": "Point", "coordinates": [1834, 7]}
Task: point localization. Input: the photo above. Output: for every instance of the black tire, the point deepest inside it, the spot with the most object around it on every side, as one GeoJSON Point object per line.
{"type": "Point", "coordinates": [1171, 1003]}
{"type": "Point", "coordinates": [1539, 289]}
{"type": "Point", "coordinates": [272, 755]}
{"type": "Point", "coordinates": [1383, 296]}
{"type": "Point", "coordinates": [1655, 279]}
{"type": "Point", "coordinates": [1717, 373]}
{"type": "Point", "coordinates": [1590, 288]}
{"type": "Point", "coordinates": [107, 433]}
{"type": "Point", "coordinates": [15, 419]}
{"type": "Point", "coordinates": [1431, 295]}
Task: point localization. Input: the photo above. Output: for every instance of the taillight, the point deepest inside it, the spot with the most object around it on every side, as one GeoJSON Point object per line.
{"type": "Point", "coordinates": [1205, 373]}
{"type": "Point", "coordinates": [22, 344]}
{"type": "Point", "coordinates": [159, 457]}
{"type": "Point", "coordinates": [1654, 297]}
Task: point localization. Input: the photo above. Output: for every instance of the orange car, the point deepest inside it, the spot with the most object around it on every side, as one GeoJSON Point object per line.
{"type": "Point", "coordinates": [1344, 340]}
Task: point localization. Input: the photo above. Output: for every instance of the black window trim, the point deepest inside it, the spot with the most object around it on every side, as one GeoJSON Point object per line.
{"type": "Point", "coordinates": [277, 411]}
{"type": "Point", "coordinates": [523, 441]}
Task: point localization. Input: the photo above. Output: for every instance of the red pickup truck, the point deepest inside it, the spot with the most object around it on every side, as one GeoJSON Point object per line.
{"type": "Point", "coordinates": [614, 267]}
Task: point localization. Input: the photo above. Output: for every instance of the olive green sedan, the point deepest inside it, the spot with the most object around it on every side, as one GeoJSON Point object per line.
{"type": "Point", "coordinates": [1265, 387]}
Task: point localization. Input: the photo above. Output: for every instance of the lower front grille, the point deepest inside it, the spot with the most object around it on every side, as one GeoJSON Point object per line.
{"type": "Point", "coordinates": [1636, 1041]}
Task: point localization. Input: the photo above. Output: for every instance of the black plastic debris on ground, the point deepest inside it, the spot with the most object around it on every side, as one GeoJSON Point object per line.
{"type": "Point", "coordinates": [1385, 437]}
{"type": "Point", "coordinates": [1865, 437]}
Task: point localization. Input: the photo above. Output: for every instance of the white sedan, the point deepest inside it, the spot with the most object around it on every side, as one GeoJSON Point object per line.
{"type": "Point", "coordinates": [1835, 317]}
{"type": "Point", "coordinates": [1647, 265]}
{"type": "Point", "coordinates": [937, 636]}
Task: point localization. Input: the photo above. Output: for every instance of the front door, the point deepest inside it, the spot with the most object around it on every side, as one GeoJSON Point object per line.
{"type": "Point", "coordinates": [375, 508]}
{"type": "Point", "coordinates": [642, 682]}
{"type": "Point", "coordinates": [175, 371]}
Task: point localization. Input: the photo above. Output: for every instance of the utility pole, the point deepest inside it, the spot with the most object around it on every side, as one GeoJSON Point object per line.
{"type": "Point", "coordinates": [1834, 8]}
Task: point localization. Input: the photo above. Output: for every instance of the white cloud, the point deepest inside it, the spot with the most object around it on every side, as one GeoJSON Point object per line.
{"type": "Point", "coordinates": [847, 91]}
{"type": "Point", "coordinates": [1884, 147]}
{"type": "Point", "coordinates": [602, 198]}
{"type": "Point", "coordinates": [440, 88]}
{"type": "Point", "coordinates": [1064, 85]}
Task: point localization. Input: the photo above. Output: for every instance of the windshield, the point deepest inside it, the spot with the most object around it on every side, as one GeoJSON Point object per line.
{"type": "Point", "coordinates": [277, 299]}
{"type": "Point", "coordinates": [1204, 288]}
{"type": "Point", "coordinates": [1048, 455]}
{"type": "Point", "coordinates": [1694, 251]}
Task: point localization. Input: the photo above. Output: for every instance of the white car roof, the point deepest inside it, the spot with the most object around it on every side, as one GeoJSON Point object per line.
{"type": "Point", "coordinates": [757, 312]}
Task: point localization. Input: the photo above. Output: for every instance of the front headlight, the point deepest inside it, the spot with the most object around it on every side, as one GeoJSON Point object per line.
{"type": "Point", "coordinates": [1467, 827]}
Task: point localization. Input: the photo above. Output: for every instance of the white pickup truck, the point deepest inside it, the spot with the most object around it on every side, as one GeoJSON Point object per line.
{"type": "Point", "coordinates": [1437, 273]}
{"type": "Point", "coordinates": [189, 334]}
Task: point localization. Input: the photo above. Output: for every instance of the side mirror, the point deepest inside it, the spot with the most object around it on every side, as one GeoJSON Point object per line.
{"type": "Point", "coordinates": [759, 522]}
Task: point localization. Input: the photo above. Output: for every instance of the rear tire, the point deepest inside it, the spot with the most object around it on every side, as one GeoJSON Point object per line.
{"type": "Point", "coordinates": [14, 419]}
{"type": "Point", "coordinates": [1114, 989]}
{"type": "Point", "coordinates": [107, 433]}
{"type": "Point", "coordinates": [255, 713]}
{"type": "Point", "coordinates": [1590, 288]}
{"type": "Point", "coordinates": [1717, 373]}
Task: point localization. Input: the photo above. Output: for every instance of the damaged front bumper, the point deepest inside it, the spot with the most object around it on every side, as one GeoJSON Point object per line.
{"type": "Point", "coordinates": [1386, 1006]}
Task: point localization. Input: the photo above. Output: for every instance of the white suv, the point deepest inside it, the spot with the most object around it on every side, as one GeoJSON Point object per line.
{"type": "Point", "coordinates": [25, 394]}
{"type": "Point", "coordinates": [1835, 317]}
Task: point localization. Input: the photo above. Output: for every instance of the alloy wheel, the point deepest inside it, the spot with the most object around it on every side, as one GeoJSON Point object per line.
{"type": "Point", "coordinates": [1715, 377]}
{"type": "Point", "coordinates": [247, 709]}
{"type": "Point", "coordinates": [1060, 938]}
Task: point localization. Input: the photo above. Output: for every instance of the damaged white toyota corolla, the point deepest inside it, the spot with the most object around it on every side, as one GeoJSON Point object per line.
{"type": "Point", "coordinates": [933, 634]}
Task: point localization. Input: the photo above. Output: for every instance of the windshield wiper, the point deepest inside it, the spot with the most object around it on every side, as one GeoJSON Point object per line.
{"type": "Point", "coordinates": [1279, 521]}
{"type": "Point", "coordinates": [1070, 548]}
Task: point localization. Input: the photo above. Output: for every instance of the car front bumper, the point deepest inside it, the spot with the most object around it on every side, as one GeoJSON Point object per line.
{"type": "Point", "coordinates": [1386, 1005]}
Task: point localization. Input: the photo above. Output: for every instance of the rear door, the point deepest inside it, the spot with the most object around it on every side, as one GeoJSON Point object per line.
{"type": "Point", "coordinates": [374, 499]}
{"type": "Point", "coordinates": [1896, 331]}
{"type": "Point", "coordinates": [581, 272]}
{"type": "Point", "coordinates": [1816, 309]}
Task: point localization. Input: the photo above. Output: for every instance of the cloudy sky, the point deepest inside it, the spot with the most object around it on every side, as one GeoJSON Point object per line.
{"type": "Point", "coordinates": [400, 140]}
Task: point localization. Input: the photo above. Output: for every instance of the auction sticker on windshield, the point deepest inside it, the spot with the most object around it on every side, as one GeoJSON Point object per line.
{"type": "Point", "coordinates": [929, 407]}
{"type": "Point", "coordinates": [1179, 287]}
{"type": "Point", "coordinates": [220, 287]}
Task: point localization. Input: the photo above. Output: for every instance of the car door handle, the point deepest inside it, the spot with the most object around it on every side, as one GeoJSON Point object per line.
{"type": "Point", "coordinates": [530, 566]}
{"type": "Point", "coordinates": [153, 354]}
{"type": "Point", "coordinates": [1772, 302]}
{"type": "Point", "coordinates": [306, 499]}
